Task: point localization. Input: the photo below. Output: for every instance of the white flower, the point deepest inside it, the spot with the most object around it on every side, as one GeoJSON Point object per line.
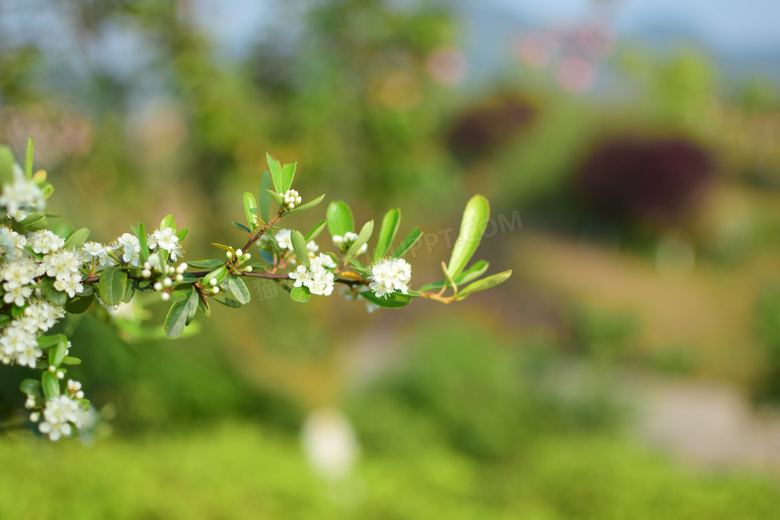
{"type": "Point", "coordinates": [44, 241]}
{"type": "Point", "coordinates": [16, 340]}
{"type": "Point", "coordinates": [344, 242]}
{"type": "Point", "coordinates": [128, 248]}
{"type": "Point", "coordinates": [283, 238]}
{"type": "Point", "coordinates": [291, 198]}
{"type": "Point", "coordinates": [16, 294]}
{"type": "Point", "coordinates": [70, 284]}
{"type": "Point", "coordinates": [20, 271]}
{"type": "Point", "coordinates": [390, 275]}
{"type": "Point", "coordinates": [60, 412]}
{"type": "Point", "coordinates": [96, 251]}
{"type": "Point", "coordinates": [41, 315]}
{"type": "Point", "coordinates": [61, 265]}
{"type": "Point", "coordinates": [21, 193]}
{"type": "Point", "coordinates": [165, 239]}
{"type": "Point", "coordinates": [11, 243]}
{"type": "Point", "coordinates": [317, 278]}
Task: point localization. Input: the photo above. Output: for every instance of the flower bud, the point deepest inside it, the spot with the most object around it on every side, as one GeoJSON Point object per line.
{"type": "Point", "coordinates": [229, 254]}
{"type": "Point", "coordinates": [167, 282]}
{"type": "Point", "coordinates": [179, 278]}
{"type": "Point", "coordinates": [165, 296]}
{"type": "Point", "coordinates": [158, 286]}
{"type": "Point", "coordinates": [60, 374]}
{"type": "Point", "coordinates": [146, 273]}
{"type": "Point", "coordinates": [248, 269]}
{"type": "Point", "coordinates": [239, 253]}
{"type": "Point", "coordinates": [213, 282]}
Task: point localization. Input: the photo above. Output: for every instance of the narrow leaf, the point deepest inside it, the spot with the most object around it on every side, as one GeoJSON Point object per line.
{"type": "Point", "coordinates": [80, 304]}
{"type": "Point", "coordinates": [204, 264]}
{"type": "Point", "coordinates": [277, 198]}
{"type": "Point", "coordinates": [408, 242]}
{"type": "Point", "coordinates": [315, 231]}
{"type": "Point", "coordinates": [58, 353]}
{"type": "Point", "coordinates": [304, 207]}
{"type": "Point", "coordinates": [250, 208]}
{"type": "Point", "coordinates": [363, 236]}
{"type": "Point", "coordinates": [475, 219]}
{"type": "Point", "coordinates": [241, 226]}
{"type": "Point", "coordinates": [218, 273]}
{"type": "Point", "coordinates": [276, 173]}
{"type": "Point", "coordinates": [141, 234]}
{"type": "Point", "coordinates": [288, 174]}
{"type": "Point", "coordinates": [484, 284]}
{"type": "Point", "coordinates": [390, 223]}
{"type": "Point", "coordinates": [299, 246]}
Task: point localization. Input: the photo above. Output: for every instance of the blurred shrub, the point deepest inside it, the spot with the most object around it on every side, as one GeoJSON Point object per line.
{"type": "Point", "coordinates": [490, 125]}
{"type": "Point", "coordinates": [654, 181]}
{"type": "Point", "coordinates": [476, 393]}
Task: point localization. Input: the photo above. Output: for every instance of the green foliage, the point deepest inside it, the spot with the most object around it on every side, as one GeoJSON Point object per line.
{"type": "Point", "coordinates": [113, 285]}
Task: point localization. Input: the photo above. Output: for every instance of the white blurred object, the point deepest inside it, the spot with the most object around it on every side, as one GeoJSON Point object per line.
{"type": "Point", "coordinates": [330, 443]}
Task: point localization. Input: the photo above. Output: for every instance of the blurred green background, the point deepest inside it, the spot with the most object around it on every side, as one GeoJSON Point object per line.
{"type": "Point", "coordinates": [630, 368]}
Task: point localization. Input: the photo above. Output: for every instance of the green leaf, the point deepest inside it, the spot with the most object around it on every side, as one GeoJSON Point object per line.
{"type": "Point", "coordinates": [472, 273]}
{"type": "Point", "coordinates": [304, 207]}
{"type": "Point", "coordinates": [315, 231]}
{"type": "Point", "coordinates": [228, 302]}
{"type": "Point", "coordinates": [241, 226]}
{"type": "Point", "coordinates": [141, 234]}
{"type": "Point", "coordinates": [390, 223]}
{"type": "Point", "coordinates": [288, 174]}
{"type": "Point", "coordinates": [264, 203]}
{"type": "Point", "coordinates": [250, 208]}
{"type": "Point", "coordinates": [408, 242]}
{"type": "Point", "coordinates": [168, 222]}
{"type": "Point", "coordinates": [475, 219]}
{"type": "Point", "coordinates": [28, 159]}
{"type": "Point", "coordinates": [45, 342]}
{"type": "Point", "coordinates": [299, 246]}
{"type": "Point", "coordinates": [50, 384]}
{"type": "Point", "coordinates": [300, 294]}
{"type": "Point", "coordinates": [218, 273]}
{"type": "Point", "coordinates": [238, 289]}
{"type": "Point", "coordinates": [203, 307]}
{"type": "Point", "coordinates": [204, 264]}
{"type": "Point", "coordinates": [277, 198]}
{"type": "Point", "coordinates": [182, 234]}
{"type": "Point", "coordinates": [53, 295]}
{"type": "Point", "coordinates": [180, 314]}
{"type": "Point", "coordinates": [276, 173]}
{"type": "Point", "coordinates": [31, 223]}
{"type": "Point", "coordinates": [7, 162]}
{"type": "Point", "coordinates": [484, 284]}
{"type": "Point", "coordinates": [363, 236]}
{"type": "Point", "coordinates": [77, 239]}
{"type": "Point", "coordinates": [31, 387]}
{"type": "Point", "coordinates": [113, 285]}
{"type": "Point", "coordinates": [58, 353]}
{"type": "Point", "coordinates": [391, 301]}
{"type": "Point", "coordinates": [70, 360]}
{"type": "Point", "coordinates": [339, 218]}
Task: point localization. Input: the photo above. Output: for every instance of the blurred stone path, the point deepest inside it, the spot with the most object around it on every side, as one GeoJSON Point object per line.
{"type": "Point", "coordinates": [707, 423]}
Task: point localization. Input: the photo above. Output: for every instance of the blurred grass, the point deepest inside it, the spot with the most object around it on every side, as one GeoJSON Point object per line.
{"type": "Point", "coordinates": [239, 470]}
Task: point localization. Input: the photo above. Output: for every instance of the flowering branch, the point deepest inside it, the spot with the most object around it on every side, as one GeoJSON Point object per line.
{"type": "Point", "coordinates": [45, 276]}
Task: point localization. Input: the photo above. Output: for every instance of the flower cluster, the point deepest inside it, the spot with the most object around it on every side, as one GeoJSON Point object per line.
{"type": "Point", "coordinates": [291, 198]}
{"type": "Point", "coordinates": [343, 242]}
{"type": "Point", "coordinates": [21, 196]}
{"type": "Point", "coordinates": [165, 239]}
{"type": "Point", "coordinates": [318, 277]}
{"type": "Point", "coordinates": [390, 275]}
{"type": "Point", "coordinates": [62, 413]}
